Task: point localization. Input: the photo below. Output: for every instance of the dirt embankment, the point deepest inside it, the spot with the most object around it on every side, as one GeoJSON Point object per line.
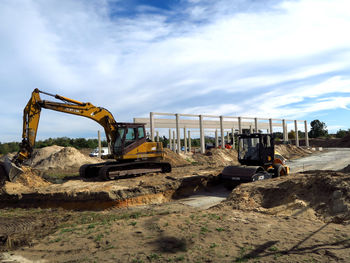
{"type": "Point", "coordinates": [56, 158]}
{"type": "Point", "coordinates": [328, 142]}
{"type": "Point", "coordinates": [316, 195]}
{"type": "Point", "coordinates": [174, 159]}
{"type": "Point", "coordinates": [217, 157]}
{"type": "Point", "coordinates": [212, 158]}
{"type": "Point", "coordinates": [291, 151]}
{"type": "Point", "coordinates": [287, 219]}
{"type": "Point", "coordinates": [62, 160]}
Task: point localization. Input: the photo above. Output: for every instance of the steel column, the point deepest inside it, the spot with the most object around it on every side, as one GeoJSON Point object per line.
{"type": "Point", "coordinates": [284, 130]}
{"type": "Point", "coordinates": [151, 119]}
{"type": "Point", "coordinates": [185, 141]}
{"type": "Point", "coordinates": [201, 131]}
{"type": "Point", "coordinates": [174, 142]}
{"type": "Point", "coordinates": [306, 135]}
{"type": "Point", "coordinates": [240, 125]}
{"type": "Point", "coordinates": [178, 138]}
{"type": "Point", "coordinates": [222, 132]}
{"type": "Point", "coordinates": [296, 133]}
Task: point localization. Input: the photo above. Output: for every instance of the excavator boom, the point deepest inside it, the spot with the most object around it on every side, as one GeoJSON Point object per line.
{"type": "Point", "coordinates": [128, 141]}
{"type": "Point", "coordinates": [31, 117]}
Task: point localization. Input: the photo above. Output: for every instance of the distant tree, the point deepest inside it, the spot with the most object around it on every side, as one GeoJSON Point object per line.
{"type": "Point", "coordinates": [301, 134]}
{"type": "Point", "coordinates": [342, 133]}
{"type": "Point", "coordinates": [165, 141]}
{"type": "Point", "coordinates": [9, 147]}
{"type": "Point", "coordinates": [318, 129]}
{"type": "Point", "coordinates": [195, 142]}
{"type": "Point", "coordinates": [278, 135]}
{"type": "Point", "coordinates": [291, 135]}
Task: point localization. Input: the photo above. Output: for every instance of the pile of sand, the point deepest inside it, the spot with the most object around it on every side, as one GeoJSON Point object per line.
{"type": "Point", "coordinates": [331, 142]}
{"type": "Point", "coordinates": [60, 158]}
{"type": "Point", "coordinates": [217, 157]}
{"type": "Point", "coordinates": [41, 154]}
{"type": "Point", "coordinates": [30, 178]}
{"type": "Point", "coordinates": [25, 182]}
{"type": "Point", "coordinates": [345, 169]}
{"type": "Point", "coordinates": [174, 159]}
{"type": "Point", "coordinates": [291, 151]}
{"type": "Point", "coordinates": [319, 194]}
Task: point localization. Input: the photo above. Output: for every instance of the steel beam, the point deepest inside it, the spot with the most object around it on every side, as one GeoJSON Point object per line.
{"type": "Point", "coordinates": [222, 132]}
{"type": "Point", "coordinates": [296, 133]}
{"type": "Point", "coordinates": [306, 135]}
{"type": "Point", "coordinates": [201, 131]}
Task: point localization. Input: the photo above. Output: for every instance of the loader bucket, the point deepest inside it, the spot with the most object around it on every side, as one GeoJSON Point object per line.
{"type": "Point", "coordinates": [9, 171]}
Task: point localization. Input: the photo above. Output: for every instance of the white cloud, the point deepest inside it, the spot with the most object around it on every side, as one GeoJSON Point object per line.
{"type": "Point", "coordinates": [150, 62]}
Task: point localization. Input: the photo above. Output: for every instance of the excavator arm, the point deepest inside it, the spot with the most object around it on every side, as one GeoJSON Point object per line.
{"type": "Point", "coordinates": [132, 152]}
{"type": "Point", "coordinates": [31, 117]}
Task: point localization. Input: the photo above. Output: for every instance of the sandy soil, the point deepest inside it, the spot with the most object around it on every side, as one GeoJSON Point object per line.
{"type": "Point", "coordinates": [233, 231]}
{"type": "Point", "coordinates": [297, 218]}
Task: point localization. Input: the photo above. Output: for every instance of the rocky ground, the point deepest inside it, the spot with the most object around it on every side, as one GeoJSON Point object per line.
{"type": "Point", "coordinates": [303, 217]}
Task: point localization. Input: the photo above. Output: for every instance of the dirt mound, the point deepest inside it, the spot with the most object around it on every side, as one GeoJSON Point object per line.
{"type": "Point", "coordinates": [25, 182]}
{"type": "Point", "coordinates": [63, 159]}
{"type": "Point", "coordinates": [346, 169]}
{"type": "Point", "coordinates": [331, 142]}
{"type": "Point", "coordinates": [30, 178]}
{"type": "Point", "coordinates": [174, 159]}
{"type": "Point", "coordinates": [343, 142]}
{"type": "Point", "coordinates": [291, 151]}
{"type": "Point", "coordinates": [319, 194]}
{"type": "Point", "coordinates": [217, 157]}
{"type": "Point", "coordinates": [43, 153]}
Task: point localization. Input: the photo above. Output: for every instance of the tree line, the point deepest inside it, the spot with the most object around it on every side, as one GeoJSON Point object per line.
{"type": "Point", "coordinates": [318, 129]}
{"type": "Point", "coordinates": [78, 143]}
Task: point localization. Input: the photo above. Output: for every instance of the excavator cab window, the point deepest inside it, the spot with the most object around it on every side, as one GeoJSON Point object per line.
{"type": "Point", "coordinates": [130, 136]}
{"type": "Point", "coordinates": [141, 133]}
{"type": "Point", "coordinates": [118, 146]}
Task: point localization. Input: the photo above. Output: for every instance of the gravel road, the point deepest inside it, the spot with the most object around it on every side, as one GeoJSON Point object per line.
{"type": "Point", "coordinates": [331, 159]}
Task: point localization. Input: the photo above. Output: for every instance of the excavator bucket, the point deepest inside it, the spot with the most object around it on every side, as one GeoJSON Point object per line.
{"type": "Point", "coordinates": [9, 171]}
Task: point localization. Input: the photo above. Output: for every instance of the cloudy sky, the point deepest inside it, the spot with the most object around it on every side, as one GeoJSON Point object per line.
{"type": "Point", "coordinates": [281, 59]}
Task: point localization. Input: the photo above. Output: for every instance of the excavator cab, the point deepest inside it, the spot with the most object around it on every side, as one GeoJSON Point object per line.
{"type": "Point", "coordinates": [129, 136]}
{"type": "Point", "coordinates": [255, 149]}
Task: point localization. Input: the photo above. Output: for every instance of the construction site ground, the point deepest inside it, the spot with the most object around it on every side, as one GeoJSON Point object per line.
{"type": "Point", "coordinates": [184, 216]}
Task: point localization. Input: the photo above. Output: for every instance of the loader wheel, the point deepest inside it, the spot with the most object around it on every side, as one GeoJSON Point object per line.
{"type": "Point", "coordinates": [166, 168]}
{"type": "Point", "coordinates": [279, 170]}
{"type": "Point", "coordinates": [3, 176]}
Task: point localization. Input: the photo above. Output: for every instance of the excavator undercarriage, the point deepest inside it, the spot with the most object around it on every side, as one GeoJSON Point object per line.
{"type": "Point", "coordinates": [115, 170]}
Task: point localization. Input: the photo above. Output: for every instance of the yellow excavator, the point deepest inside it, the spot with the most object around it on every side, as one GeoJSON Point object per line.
{"type": "Point", "coordinates": [133, 154]}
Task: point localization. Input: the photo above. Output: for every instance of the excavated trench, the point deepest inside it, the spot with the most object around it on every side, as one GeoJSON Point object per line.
{"type": "Point", "coordinates": [97, 196]}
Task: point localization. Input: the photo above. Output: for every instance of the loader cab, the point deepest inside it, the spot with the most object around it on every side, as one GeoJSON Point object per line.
{"type": "Point", "coordinates": [129, 136]}
{"type": "Point", "coordinates": [255, 149]}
